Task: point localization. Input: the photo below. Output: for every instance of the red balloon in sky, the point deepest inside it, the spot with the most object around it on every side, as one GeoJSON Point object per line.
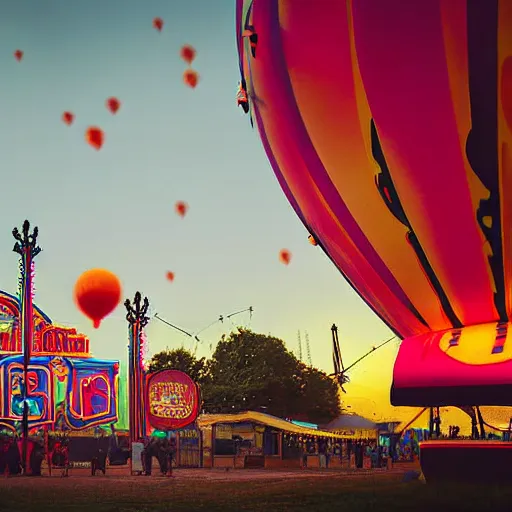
{"type": "Point", "coordinates": [188, 53]}
{"type": "Point", "coordinates": [113, 105]}
{"type": "Point", "coordinates": [285, 256]}
{"type": "Point", "coordinates": [95, 137]}
{"type": "Point", "coordinates": [181, 208]}
{"type": "Point", "coordinates": [191, 78]}
{"type": "Point", "coordinates": [68, 117]}
{"type": "Point", "coordinates": [18, 55]}
{"type": "Point", "coordinates": [158, 23]}
{"type": "Point", "coordinates": [170, 276]}
{"type": "Point", "coordinates": [97, 293]}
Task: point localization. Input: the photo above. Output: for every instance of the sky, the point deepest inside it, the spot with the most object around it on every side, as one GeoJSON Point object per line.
{"type": "Point", "coordinates": [114, 208]}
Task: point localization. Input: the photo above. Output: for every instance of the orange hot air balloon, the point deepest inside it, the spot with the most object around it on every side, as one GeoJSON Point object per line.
{"type": "Point", "coordinates": [285, 256]}
{"type": "Point", "coordinates": [312, 240]}
{"type": "Point", "coordinates": [170, 276]}
{"type": "Point", "coordinates": [97, 293]}
{"type": "Point", "coordinates": [95, 137]}
{"type": "Point", "coordinates": [158, 23]}
{"type": "Point", "coordinates": [68, 117]}
{"type": "Point", "coordinates": [18, 55]}
{"type": "Point", "coordinates": [181, 208]}
{"type": "Point", "coordinates": [113, 104]}
{"type": "Point", "coordinates": [188, 53]}
{"type": "Point", "coordinates": [191, 78]}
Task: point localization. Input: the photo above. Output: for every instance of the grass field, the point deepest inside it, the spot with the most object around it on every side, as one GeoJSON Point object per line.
{"type": "Point", "coordinates": [244, 490]}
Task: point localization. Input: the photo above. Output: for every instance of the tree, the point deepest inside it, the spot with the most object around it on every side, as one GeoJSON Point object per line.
{"type": "Point", "coordinates": [250, 371]}
{"type": "Point", "coordinates": [179, 359]}
{"type": "Point", "coordinates": [320, 395]}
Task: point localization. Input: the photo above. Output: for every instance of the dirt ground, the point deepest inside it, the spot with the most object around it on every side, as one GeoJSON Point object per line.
{"type": "Point", "coordinates": [243, 490]}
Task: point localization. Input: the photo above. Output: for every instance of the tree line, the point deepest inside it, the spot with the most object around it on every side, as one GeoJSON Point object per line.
{"type": "Point", "coordinates": [255, 372]}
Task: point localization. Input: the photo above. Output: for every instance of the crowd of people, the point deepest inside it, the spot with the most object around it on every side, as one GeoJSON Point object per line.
{"type": "Point", "coordinates": [163, 449]}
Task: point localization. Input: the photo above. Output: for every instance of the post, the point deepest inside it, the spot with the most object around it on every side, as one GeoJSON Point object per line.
{"type": "Point", "coordinates": [26, 246]}
{"type": "Point", "coordinates": [137, 319]}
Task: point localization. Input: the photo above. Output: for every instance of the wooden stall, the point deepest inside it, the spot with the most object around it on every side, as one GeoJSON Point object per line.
{"type": "Point", "coordinates": [257, 440]}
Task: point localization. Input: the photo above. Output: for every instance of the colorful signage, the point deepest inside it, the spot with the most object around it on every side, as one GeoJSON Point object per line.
{"type": "Point", "coordinates": [172, 399]}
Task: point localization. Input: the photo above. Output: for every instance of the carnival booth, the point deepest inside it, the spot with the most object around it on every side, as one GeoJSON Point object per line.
{"type": "Point", "coordinates": [67, 388]}
{"type": "Point", "coordinates": [360, 440]}
{"type": "Point", "coordinates": [254, 439]}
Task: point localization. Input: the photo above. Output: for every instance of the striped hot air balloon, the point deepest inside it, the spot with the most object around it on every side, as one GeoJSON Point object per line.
{"type": "Point", "coordinates": [389, 127]}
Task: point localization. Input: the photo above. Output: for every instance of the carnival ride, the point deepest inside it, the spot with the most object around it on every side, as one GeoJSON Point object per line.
{"type": "Point", "coordinates": [389, 127]}
{"type": "Point", "coordinates": [67, 388]}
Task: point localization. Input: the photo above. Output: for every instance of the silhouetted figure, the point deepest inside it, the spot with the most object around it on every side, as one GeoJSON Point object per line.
{"type": "Point", "coordinates": [4, 446]}
{"type": "Point", "coordinates": [13, 458]}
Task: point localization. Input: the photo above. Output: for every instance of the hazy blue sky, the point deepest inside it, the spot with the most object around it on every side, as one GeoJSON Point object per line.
{"type": "Point", "coordinates": [114, 208]}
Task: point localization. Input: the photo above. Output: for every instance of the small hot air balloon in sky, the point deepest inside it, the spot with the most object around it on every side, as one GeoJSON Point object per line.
{"type": "Point", "coordinates": [113, 104]}
{"type": "Point", "coordinates": [188, 53]}
{"type": "Point", "coordinates": [181, 208]}
{"type": "Point", "coordinates": [97, 293]}
{"type": "Point", "coordinates": [285, 256]}
{"type": "Point", "coordinates": [170, 276]}
{"type": "Point", "coordinates": [158, 23]}
{"type": "Point", "coordinates": [312, 240]}
{"type": "Point", "coordinates": [191, 78]}
{"type": "Point", "coordinates": [68, 117]}
{"type": "Point", "coordinates": [95, 137]}
{"type": "Point", "coordinates": [18, 55]}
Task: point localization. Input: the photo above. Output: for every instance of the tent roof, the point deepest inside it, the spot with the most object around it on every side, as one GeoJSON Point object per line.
{"type": "Point", "coordinates": [350, 421]}
{"type": "Point", "coordinates": [206, 420]}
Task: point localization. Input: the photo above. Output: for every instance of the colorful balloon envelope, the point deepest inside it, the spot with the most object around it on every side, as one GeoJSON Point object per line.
{"type": "Point", "coordinates": [158, 24]}
{"type": "Point", "coordinates": [97, 293]}
{"type": "Point", "coordinates": [188, 53]}
{"type": "Point", "coordinates": [389, 127]}
{"type": "Point", "coordinates": [190, 78]}
{"type": "Point", "coordinates": [285, 256]}
{"type": "Point", "coordinates": [68, 118]}
{"type": "Point", "coordinates": [95, 137]}
{"type": "Point", "coordinates": [113, 104]}
{"type": "Point", "coordinates": [181, 208]}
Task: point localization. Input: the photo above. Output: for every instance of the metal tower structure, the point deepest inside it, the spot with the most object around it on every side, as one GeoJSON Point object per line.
{"type": "Point", "coordinates": [308, 350]}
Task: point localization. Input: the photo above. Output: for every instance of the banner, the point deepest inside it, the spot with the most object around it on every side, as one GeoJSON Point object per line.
{"type": "Point", "coordinates": [172, 400]}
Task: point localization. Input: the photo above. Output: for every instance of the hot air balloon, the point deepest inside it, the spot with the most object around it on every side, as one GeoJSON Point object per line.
{"type": "Point", "coordinates": [190, 78]}
{"type": "Point", "coordinates": [113, 104]}
{"type": "Point", "coordinates": [18, 55]}
{"type": "Point", "coordinates": [170, 276]}
{"type": "Point", "coordinates": [389, 127]}
{"type": "Point", "coordinates": [285, 256]}
{"type": "Point", "coordinates": [68, 117]}
{"type": "Point", "coordinates": [188, 53]}
{"type": "Point", "coordinates": [95, 137]}
{"type": "Point", "coordinates": [97, 293]}
{"type": "Point", "coordinates": [181, 208]}
{"type": "Point", "coordinates": [158, 23]}
{"type": "Point", "coordinates": [311, 240]}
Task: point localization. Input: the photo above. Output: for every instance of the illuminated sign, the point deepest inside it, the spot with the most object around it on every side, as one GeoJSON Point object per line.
{"type": "Point", "coordinates": [50, 340]}
{"type": "Point", "coordinates": [172, 399]}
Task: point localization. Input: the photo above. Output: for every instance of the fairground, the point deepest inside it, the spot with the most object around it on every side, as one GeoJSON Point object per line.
{"type": "Point", "coordinates": [246, 490]}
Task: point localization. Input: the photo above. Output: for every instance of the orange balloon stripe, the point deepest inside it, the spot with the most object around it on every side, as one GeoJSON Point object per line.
{"type": "Point", "coordinates": [407, 101]}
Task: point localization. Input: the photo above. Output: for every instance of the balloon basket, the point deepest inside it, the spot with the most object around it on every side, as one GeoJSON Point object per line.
{"type": "Point", "coordinates": [466, 461]}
